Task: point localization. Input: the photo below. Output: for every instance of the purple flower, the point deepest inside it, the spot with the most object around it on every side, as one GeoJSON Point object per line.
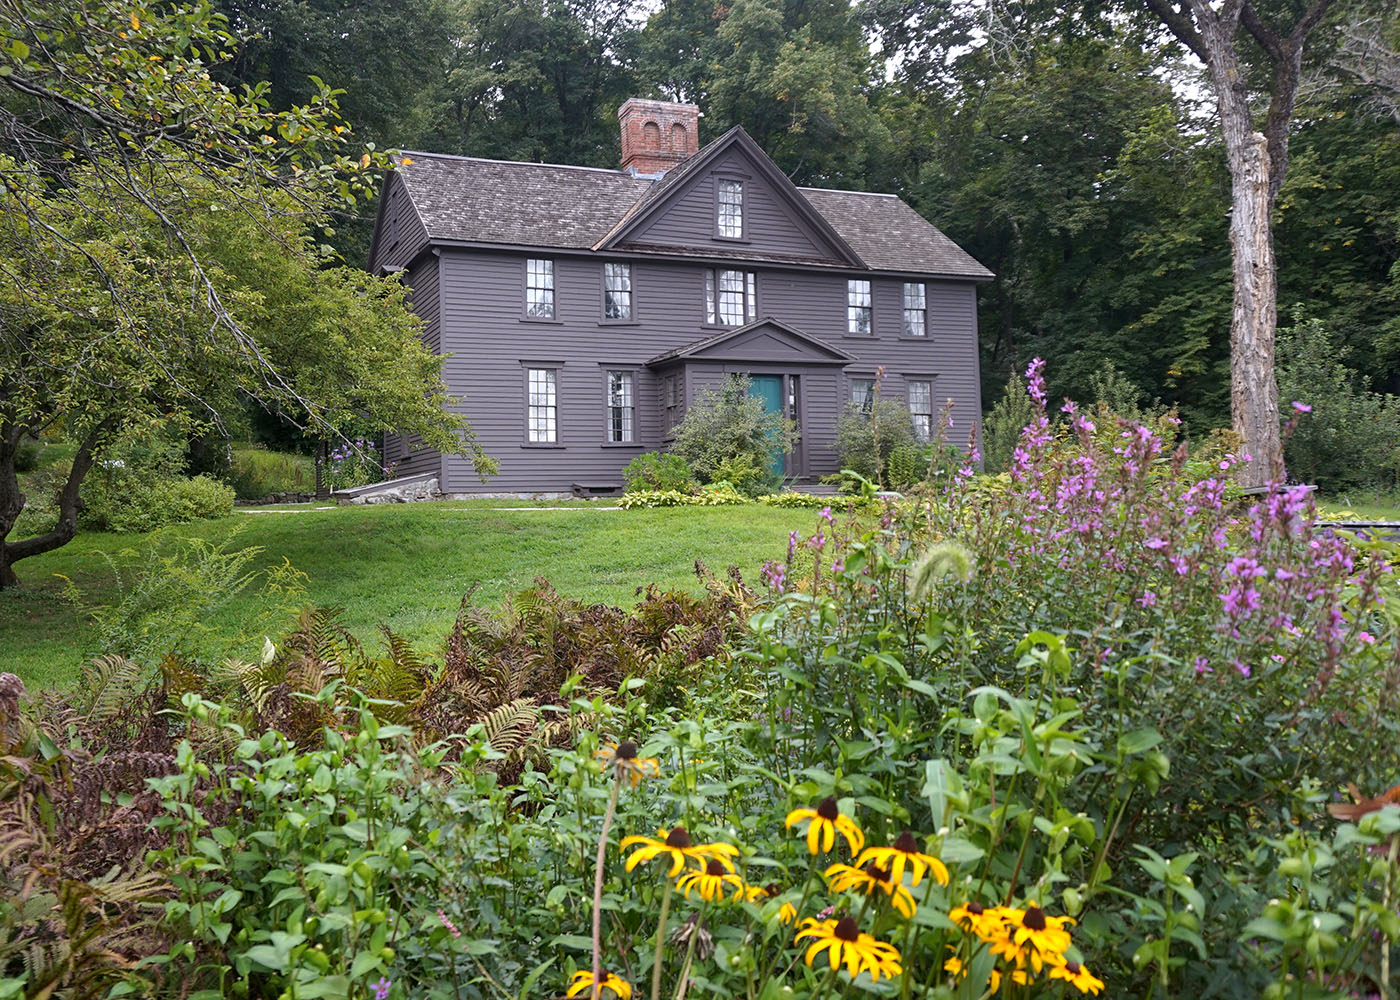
{"type": "Point", "coordinates": [1148, 599]}
{"type": "Point", "coordinates": [381, 988]}
{"type": "Point", "coordinates": [451, 927]}
{"type": "Point", "coordinates": [1202, 665]}
{"type": "Point", "coordinates": [826, 514]}
{"type": "Point", "coordinates": [1301, 407]}
{"type": "Point", "coordinates": [1155, 543]}
{"type": "Point", "coordinates": [793, 539]}
{"type": "Point", "coordinates": [1366, 637]}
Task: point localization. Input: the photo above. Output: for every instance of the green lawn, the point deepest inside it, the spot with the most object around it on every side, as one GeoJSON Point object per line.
{"type": "Point", "coordinates": [404, 565]}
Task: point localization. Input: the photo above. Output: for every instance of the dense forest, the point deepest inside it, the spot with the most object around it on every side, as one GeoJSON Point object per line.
{"type": "Point", "coordinates": [1071, 151]}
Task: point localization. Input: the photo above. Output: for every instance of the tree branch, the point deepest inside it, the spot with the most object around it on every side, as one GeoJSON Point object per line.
{"type": "Point", "coordinates": [1180, 24]}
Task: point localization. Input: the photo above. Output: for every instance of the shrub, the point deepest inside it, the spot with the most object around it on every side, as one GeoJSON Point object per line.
{"type": "Point", "coordinates": [658, 470]}
{"type": "Point", "coordinates": [743, 476]}
{"type": "Point", "coordinates": [1002, 428]}
{"type": "Point", "coordinates": [128, 503]}
{"type": "Point", "coordinates": [719, 494]}
{"type": "Point", "coordinates": [1351, 438]}
{"type": "Point", "coordinates": [727, 424]}
{"type": "Point", "coordinates": [866, 440]}
{"type": "Point", "coordinates": [792, 498]}
{"type": "Point", "coordinates": [258, 472]}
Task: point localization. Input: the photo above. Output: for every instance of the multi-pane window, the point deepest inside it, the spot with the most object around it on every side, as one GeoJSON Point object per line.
{"type": "Point", "coordinates": [858, 308]}
{"type": "Point", "coordinates": [863, 394]}
{"type": "Point", "coordinates": [671, 399]}
{"type": "Point", "coordinates": [915, 311]}
{"type": "Point", "coordinates": [730, 221]}
{"type": "Point", "coordinates": [539, 289]}
{"type": "Point", "coordinates": [542, 405]}
{"type": "Point", "coordinates": [731, 297]}
{"type": "Point", "coordinates": [921, 408]}
{"type": "Point", "coordinates": [621, 412]}
{"type": "Point", "coordinates": [617, 291]}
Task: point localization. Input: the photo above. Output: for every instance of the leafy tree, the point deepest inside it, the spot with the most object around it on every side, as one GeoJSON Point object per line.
{"type": "Point", "coordinates": [1351, 437]}
{"type": "Point", "coordinates": [795, 74]}
{"type": "Point", "coordinates": [156, 256]}
{"type": "Point", "coordinates": [535, 80]}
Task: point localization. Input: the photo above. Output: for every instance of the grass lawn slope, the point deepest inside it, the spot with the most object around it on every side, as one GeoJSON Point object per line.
{"type": "Point", "coordinates": [406, 566]}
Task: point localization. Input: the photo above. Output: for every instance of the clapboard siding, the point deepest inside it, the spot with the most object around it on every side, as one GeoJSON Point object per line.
{"type": "Point", "coordinates": [399, 235]}
{"type": "Point", "coordinates": [404, 451]}
{"type": "Point", "coordinates": [491, 344]}
{"type": "Point", "coordinates": [770, 224]}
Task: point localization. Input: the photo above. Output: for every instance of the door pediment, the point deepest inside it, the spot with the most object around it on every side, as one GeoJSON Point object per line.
{"type": "Point", "coordinates": [763, 341]}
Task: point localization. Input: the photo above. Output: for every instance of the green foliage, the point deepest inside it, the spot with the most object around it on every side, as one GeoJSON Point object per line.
{"type": "Point", "coordinates": [168, 297]}
{"type": "Point", "coordinates": [658, 470]}
{"type": "Point", "coordinates": [866, 440]}
{"type": "Point", "coordinates": [257, 473]}
{"type": "Point", "coordinates": [725, 425]}
{"type": "Point", "coordinates": [171, 596]}
{"type": "Point", "coordinates": [795, 499]}
{"type": "Point", "coordinates": [1352, 436]}
{"type": "Point", "coordinates": [718, 494]}
{"type": "Point", "coordinates": [1002, 428]}
{"type": "Point", "coordinates": [131, 504]}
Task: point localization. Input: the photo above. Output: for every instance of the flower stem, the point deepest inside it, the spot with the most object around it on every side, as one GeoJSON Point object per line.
{"type": "Point", "coordinates": [598, 888]}
{"type": "Point", "coordinates": [690, 953]}
{"type": "Point", "coordinates": [660, 941]}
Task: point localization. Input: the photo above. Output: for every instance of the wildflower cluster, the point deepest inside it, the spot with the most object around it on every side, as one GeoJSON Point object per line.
{"type": "Point", "coordinates": [1026, 941]}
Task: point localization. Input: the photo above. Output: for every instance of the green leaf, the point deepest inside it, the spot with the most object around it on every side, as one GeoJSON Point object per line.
{"type": "Point", "coordinates": [1138, 741]}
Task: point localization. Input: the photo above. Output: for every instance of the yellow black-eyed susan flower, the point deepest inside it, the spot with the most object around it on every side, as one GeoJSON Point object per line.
{"type": "Point", "coordinates": [608, 981]}
{"type": "Point", "coordinates": [826, 821]}
{"type": "Point", "coordinates": [712, 882]}
{"type": "Point", "coordinates": [1033, 938]}
{"type": "Point", "coordinates": [870, 879]}
{"type": "Point", "coordinates": [787, 913]}
{"type": "Point", "coordinates": [846, 945]}
{"type": "Point", "coordinates": [622, 760]}
{"type": "Point", "coordinates": [677, 846]}
{"type": "Point", "coordinates": [1077, 976]}
{"type": "Point", "coordinates": [987, 923]}
{"type": "Point", "coordinates": [905, 852]}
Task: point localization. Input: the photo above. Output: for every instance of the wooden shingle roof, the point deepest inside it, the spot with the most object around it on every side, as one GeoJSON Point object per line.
{"type": "Point", "coordinates": [468, 200]}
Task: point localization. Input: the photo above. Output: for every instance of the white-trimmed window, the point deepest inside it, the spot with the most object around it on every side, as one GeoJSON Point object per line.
{"type": "Point", "coordinates": [915, 310]}
{"type": "Point", "coordinates": [542, 405]}
{"type": "Point", "coordinates": [617, 291]}
{"type": "Point", "coordinates": [621, 411]}
{"type": "Point", "coordinates": [921, 408]}
{"type": "Point", "coordinates": [863, 394]}
{"type": "Point", "coordinates": [731, 297]}
{"type": "Point", "coordinates": [729, 208]}
{"type": "Point", "coordinates": [858, 308]}
{"type": "Point", "coordinates": [539, 288]}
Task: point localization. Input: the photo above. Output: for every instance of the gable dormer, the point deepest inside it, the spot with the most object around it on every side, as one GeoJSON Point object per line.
{"type": "Point", "coordinates": [731, 200]}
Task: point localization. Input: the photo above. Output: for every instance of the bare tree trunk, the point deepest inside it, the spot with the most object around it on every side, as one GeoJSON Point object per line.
{"type": "Point", "coordinates": [1258, 162]}
{"type": "Point", "coordinates": [1254, 316]}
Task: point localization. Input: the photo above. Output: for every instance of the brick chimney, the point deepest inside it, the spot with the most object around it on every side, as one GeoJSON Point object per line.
{"type": "Point", "coordinates": [657, 135]}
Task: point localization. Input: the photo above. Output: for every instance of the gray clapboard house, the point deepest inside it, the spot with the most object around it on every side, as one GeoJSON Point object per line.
{"type": "Point", "coordinates": [584, 309]}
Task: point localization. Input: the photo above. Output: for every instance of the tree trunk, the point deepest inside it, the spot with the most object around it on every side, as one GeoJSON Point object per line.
{"type": "Point", "coordinates": [1254, 316]}
{"type": "Point", "coordinates": [69, 503]}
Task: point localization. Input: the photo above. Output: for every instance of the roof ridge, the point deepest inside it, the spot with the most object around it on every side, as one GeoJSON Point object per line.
{"type": "Point", "coordinates": [867, 194]}
{"type": "Point", "coordinates": [517, 163]}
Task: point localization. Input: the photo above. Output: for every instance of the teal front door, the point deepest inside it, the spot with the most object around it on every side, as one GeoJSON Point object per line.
{"type": "Point", "coordinates": [769, 388]}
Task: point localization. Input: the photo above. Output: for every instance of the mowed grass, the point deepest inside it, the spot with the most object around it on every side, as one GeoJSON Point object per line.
{"type": "Point", "coordinates": [406, 566]}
